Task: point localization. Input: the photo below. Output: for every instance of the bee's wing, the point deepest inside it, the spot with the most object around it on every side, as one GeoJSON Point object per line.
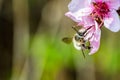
{"type": "Point", "coordinates": [67, 40]}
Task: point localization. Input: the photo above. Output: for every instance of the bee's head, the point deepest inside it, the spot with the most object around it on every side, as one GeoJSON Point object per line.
{"type": "Point", "coordinates": [77, 37]}
{"type": "Point", "coordinates": [81, 34]}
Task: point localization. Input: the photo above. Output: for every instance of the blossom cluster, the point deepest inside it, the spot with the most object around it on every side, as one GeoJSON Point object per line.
{"type": "Point", "coordinates": [95, 13]}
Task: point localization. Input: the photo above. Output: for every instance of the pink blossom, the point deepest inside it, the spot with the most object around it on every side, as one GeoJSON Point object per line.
{"type": "Point", "coordinates": [104, 10]}
{"type": "Point", "coordinates": [95, 13]}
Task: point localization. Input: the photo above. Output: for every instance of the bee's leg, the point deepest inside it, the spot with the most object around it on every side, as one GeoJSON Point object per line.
{"type": "Point", "coordinates": [83, 53]}
{"type": "Point", "coordinates": [83, 46]}
{"type": "Point", "coordinates": [82, 49]}
{"type": "Point", "coordinates": [88, 47]}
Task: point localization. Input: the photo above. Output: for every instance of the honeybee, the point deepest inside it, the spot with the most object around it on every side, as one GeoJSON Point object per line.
{"type": "Point", "coordinates": [79, 40]}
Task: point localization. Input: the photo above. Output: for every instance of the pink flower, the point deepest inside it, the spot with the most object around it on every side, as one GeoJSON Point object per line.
{"type": "Point", "coordinates": [102, 10]}
{"type": "Point", "coordinates": [95, 13]}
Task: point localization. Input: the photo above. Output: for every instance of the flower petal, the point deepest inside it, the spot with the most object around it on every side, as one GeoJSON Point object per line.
{"type": "Point", "coordinates": [75, 5]}
{"type": "Point", "coordinates": [88, 21]}
{"type": "Point", "coordinates": [112, 22]}
{"type": "Point", "coordinates": [95, 41]}
{"type": "Point", "coordinates": [73, 16]}
{"type": "Point", "coordinates": [77, 16]}
{"type": "Point", "coordinates": [114, 4]}
{"type": "Point", "coordinates": [94, 38]}
{"type": "Point", "coordinates": [96, 0]}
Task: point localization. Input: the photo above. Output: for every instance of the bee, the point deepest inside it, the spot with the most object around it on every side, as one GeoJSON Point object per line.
{"type": "Point", "coordinates": [79, 40]}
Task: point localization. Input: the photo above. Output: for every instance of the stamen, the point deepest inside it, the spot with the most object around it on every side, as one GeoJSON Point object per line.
{"type": "Point", "coordinates": [100, 9]}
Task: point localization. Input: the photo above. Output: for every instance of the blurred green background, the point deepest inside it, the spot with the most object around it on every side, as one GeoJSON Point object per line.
{"type": "Point", "coordinates": [31, 46]}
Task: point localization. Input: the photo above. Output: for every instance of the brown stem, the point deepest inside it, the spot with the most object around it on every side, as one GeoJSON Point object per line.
{"type": "Point", "coordinates": [101, 24]}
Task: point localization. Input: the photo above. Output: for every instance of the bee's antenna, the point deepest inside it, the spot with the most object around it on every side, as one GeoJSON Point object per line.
{"type": "Point", "coordinates": [82, 32]}
{"type": "Point", "coordinates": [86, 30]}
{"type": "Point", "coordinates": [75, 29]}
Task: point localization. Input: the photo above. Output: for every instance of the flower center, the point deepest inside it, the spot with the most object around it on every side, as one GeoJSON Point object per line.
{"type": "Point", "coordinates": [100, 9]}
